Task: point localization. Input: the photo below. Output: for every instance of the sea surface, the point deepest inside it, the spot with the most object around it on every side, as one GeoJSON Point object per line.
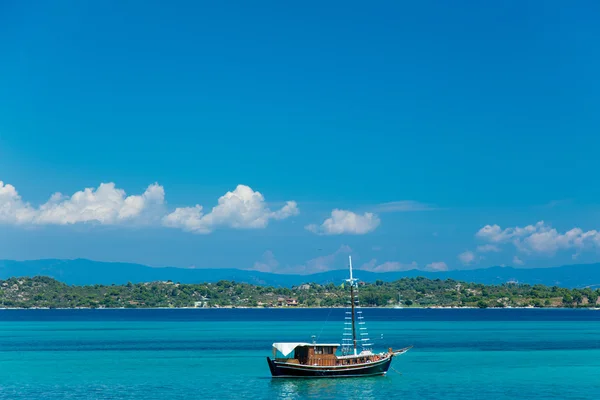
{"type": "Point", "coordinates": [220, 354]}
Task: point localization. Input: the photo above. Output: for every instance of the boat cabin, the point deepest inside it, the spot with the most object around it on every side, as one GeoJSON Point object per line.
{"type": "Point", "coordinates": [307, 353]}
{"type": "Point", "coordinates": [321, 354]}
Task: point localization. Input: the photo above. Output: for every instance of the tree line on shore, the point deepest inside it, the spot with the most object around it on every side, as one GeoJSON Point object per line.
{"type": "Point", "coordinates": [45, 292]}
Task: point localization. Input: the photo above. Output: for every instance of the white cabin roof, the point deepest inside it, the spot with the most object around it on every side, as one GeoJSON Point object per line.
{"type": "Point", "coordinates": [287, 348]}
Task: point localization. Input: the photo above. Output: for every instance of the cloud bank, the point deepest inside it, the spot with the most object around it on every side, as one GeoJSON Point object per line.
{"type": "Point", "coordinates": [105, 205]}
{"type": "Point", "coordinates": [388, 266]}
{"type": "Point", "coordinates": [541, 239]}
{"type": "Point", "coordinates": [346, 222]}
{"type": "Point", "coordinates": [336, 260]}
{"type": "Point", "coordinates": [394, 266]}
{"type": "Point", "coordinates": [436, 266]}
{"type": "Point", "coordinates": [242, 208]}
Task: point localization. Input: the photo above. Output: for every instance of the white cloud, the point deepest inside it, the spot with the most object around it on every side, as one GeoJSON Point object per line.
{"type": "Point", "coordinates": [436, 266]}
{"type": "Point", "coordinates": [105, 205]}
{"type": "Point", "coordinates": [517, 261]}
{"type": "Point", "coordinates": [12, 208]}
{"type": "Point", "coordinates": [187, 218]}
{"type": "Point", "coordinates": [467, 257]}
{"type": "Point", "coordinates": [268, 263]}
{"type": "Point", "coordinates": [403, 206]}
{"type": "Point", "coordinates": [487, 248]}
{"type": "Point", "coordinates": [550, 241]}
{"type": "Point", "coordinates": [343, 221]}
{"type": "Point", "coordinates": [541, 238]}
{"type": "Point", "coordinates": [290, 209]}
{"type": "Point", "coordinates": [242, 209]}
{"type": "Point", "coordinates": [388, 266]}
{"type": "Point", "coordinates": [495, 234]}
{"type": "Point", "coordinates": [109, 205]}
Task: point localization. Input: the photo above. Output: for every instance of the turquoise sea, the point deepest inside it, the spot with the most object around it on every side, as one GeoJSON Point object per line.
{"type": "Point", "coordinates": [220, 354]}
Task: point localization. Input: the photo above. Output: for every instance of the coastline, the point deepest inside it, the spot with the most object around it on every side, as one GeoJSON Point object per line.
{"type": "Point", "coordinates": [298, 308]}
{"type": "Point", "coordinates": [47, 293]}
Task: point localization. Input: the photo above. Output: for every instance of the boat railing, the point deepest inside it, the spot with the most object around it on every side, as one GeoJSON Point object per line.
{"type": "Point", "coordinates": [288, 360]}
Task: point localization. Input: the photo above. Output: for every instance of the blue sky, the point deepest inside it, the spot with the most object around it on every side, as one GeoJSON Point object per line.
{"type": "Point", "coordinates": [463, 116]}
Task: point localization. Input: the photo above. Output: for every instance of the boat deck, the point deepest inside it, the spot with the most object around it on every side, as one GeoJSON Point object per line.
{"type": "Point", "coordinates": [334, 361]}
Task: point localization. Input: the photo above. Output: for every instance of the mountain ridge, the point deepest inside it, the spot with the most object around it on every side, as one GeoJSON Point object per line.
{"type": "Point", "coordinates": [88, 272]}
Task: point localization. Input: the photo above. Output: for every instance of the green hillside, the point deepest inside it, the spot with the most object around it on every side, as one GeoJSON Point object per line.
{"type": "Point", "coordinates": [44, 292]}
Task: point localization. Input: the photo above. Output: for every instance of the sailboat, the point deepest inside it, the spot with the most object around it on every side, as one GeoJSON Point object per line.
{"type": "Point", "coordinates": [319, 360]}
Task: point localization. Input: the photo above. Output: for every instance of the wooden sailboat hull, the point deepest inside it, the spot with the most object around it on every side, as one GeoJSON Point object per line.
{"type": "Point", "coordinates": [288, 370]}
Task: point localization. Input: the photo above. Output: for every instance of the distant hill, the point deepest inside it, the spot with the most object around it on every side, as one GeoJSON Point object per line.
{"type": "Point", "coordinates": [87, 272]}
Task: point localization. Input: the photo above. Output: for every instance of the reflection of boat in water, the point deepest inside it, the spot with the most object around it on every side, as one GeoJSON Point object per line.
{"type": "Point", "coordinates": [319, 360]}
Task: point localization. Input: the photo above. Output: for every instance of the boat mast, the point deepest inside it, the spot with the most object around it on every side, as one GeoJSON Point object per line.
{"type": "Point", "coordinates": [351, 280]}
